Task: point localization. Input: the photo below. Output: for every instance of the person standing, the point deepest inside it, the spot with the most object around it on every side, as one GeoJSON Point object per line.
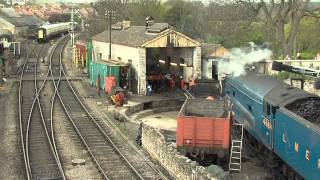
{"type": "Point", "coordinates": [317, 56]}
{"type": "Point", "coordinates": [287, 57]}
{"type": "Point", "coordinates": [298, 57]}
{"type": "Point", "coordinates": [191, 84]}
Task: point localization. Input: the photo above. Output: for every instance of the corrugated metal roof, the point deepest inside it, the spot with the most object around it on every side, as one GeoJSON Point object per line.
{"type": "Point", "coordinates": [133, 36]}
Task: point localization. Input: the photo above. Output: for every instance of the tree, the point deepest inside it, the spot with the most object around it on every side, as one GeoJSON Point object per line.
{"type": "Point", "coordinates": [276, 14]}
{"type": "Point", "coordinates": [54, 18]}
{"type": "Point", "coordinates": [308, 37]}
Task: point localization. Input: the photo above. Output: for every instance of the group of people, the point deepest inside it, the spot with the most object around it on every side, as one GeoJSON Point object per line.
{"type": "Point", "coordinates": [168, 81]}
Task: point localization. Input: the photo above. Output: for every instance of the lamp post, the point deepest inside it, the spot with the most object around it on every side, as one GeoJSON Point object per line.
{"type": "Point", "coordinates": [110, 14]}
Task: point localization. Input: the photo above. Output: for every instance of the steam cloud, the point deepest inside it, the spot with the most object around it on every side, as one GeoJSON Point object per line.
{"type": "Point", "coordinates": [240, 57]}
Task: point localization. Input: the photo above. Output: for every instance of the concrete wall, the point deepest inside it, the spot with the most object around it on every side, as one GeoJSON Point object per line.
{"type": "Point", "coordinates": [141, 71]}
{"type": "Point", "coordinates": [126, 53]}
{"type": "Point", "coordinates": [197, 62]}
{"type": "Point", "coordinates": [179, 166]}
{"type": "Point", "coordinates": [139, 60]}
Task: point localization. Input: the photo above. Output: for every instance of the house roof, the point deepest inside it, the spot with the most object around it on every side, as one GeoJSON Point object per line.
{"type": "Point", "coordinates": [207, 49]}
{"type": "Point", "coordinates": [10, 15]}
{"type": "Point", "coordinates": [132, 36]}
{"type": "Point", "coordinates": [24, 20]}
{"type": "Point", "coordinates": [138, 36]}
{"type": "Point", "coordinates": [9, 12]}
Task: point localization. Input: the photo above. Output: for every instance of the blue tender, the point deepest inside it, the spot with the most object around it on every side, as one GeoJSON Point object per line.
{"type": "Point", "coordinates": [264, 105]}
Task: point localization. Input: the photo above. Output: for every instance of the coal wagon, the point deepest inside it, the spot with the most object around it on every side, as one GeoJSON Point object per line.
{"type": "Point", "coordinates": [203, 127]}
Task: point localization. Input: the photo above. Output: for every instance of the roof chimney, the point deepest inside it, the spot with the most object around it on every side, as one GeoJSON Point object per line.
{"type": "Point", "coordinates": [149, 21]}
{"type": "Point", "coordinates": [125, 24]}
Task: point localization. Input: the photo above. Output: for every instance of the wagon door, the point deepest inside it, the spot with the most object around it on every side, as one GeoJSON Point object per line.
{"type": "Point", "coordinates": [267, 124]}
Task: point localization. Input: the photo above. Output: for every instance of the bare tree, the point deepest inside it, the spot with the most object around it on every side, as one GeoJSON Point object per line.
{"type": "Point", "coordinates": [277, 14]}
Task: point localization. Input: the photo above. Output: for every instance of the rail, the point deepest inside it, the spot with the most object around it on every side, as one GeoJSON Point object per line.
{"type": "Point", "coordinates": [39, 125]}
{"type": "Point", "coordinates": [86, 127]}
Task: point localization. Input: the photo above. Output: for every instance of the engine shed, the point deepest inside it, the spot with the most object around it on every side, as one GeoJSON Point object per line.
{"type": "Point", "coordinates": [155, 51]}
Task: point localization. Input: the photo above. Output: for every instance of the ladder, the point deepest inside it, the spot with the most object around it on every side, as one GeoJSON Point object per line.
{"type": "Point", "coordinates": [236, 147]}
{"type": "Point", "coordinates": [78, 58]}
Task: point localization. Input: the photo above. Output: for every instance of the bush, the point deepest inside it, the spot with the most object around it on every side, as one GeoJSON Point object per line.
{"type": "Point", "coordinates": [287, 75]}
{"type": "Point", "coordinates": [307, 55]}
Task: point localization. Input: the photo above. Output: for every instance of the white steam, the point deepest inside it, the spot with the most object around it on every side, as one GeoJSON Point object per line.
{"type": "Point", "coordinates": [238, 58]}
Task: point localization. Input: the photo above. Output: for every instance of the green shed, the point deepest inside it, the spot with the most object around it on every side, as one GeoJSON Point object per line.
{"type": "Point", "coordinates": [100, 69]}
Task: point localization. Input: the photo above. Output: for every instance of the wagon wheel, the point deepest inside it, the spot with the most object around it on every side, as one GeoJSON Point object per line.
{"type": "Point", "coordinates": [202, 155]}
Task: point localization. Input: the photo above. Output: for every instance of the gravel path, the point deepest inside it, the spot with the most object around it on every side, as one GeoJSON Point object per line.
{"type": "Point", "coordinates": [12, 166]}
{"type": "Point", "coordinates": [70, 148]}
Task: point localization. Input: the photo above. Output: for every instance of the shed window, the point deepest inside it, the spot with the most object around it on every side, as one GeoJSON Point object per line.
{"type": "Point", "coordinates": [250, 108]}
{"type": "Point", "coordinates": [233, 93]}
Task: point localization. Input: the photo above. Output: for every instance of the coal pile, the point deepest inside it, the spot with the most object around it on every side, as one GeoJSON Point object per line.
{"type": "Point", "coordinates": [206, 108]}
{"type": "Point", "coordinates": [308, 108]}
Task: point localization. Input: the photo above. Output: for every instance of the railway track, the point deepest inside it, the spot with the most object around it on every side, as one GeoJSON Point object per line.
{"type": "Point", "coordinates": [110, 156]}
{"type": "Point", "coordinates": [40, 156]}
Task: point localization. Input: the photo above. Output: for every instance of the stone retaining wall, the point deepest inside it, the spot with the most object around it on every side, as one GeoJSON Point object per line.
{"type": "Point", "coordinates": [179, 166]}
{"type": "Point", "coordinates": [157, 106]}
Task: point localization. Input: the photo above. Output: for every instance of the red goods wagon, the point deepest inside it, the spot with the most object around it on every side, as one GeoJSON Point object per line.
{"type": "Point", "coordinates": [203, 126]}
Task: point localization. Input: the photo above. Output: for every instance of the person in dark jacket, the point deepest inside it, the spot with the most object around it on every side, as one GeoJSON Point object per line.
{"type": "Point", "coordinates": [139, 135]}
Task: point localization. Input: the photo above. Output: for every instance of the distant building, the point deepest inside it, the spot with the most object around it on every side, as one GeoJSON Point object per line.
{"type": "Point", "coordinates": [17, 24]}
{"type": "Point", "coordinates": [211, 54]}
{"type": "Point", "coordinates": [154, 50]}
{"type": "Point", "coordinates": [18, 2]}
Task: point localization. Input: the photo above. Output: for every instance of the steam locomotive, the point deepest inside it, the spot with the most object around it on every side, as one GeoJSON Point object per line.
{"type": "Point", "coordinates": [283, 118]}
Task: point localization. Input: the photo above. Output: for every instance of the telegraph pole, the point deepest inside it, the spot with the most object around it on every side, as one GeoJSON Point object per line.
{"type": "Point", "coordinates": [110, 15]}
{"type": "Point", "coordinates": [72, 26]}
{"type": "Point", "coordinates": [73, 48]}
